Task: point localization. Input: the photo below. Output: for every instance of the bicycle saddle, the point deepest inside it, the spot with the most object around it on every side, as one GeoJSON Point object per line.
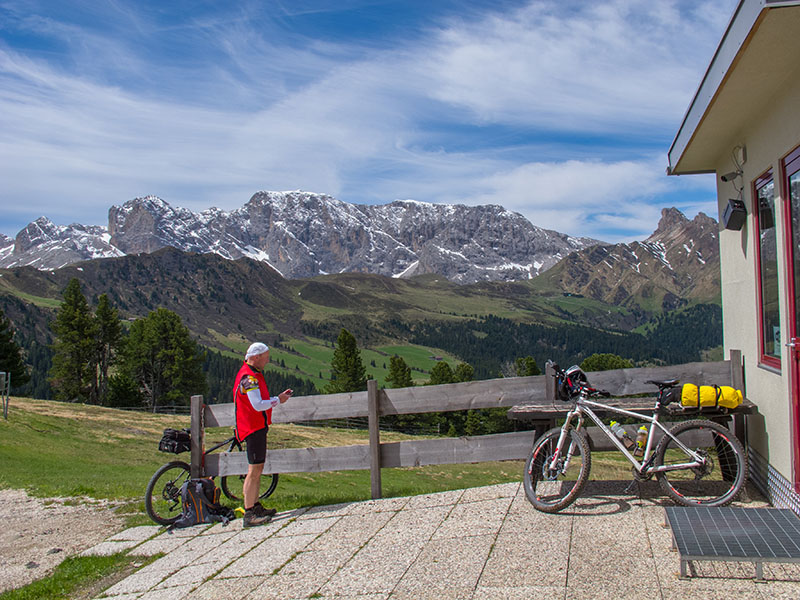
{"type": "Point", "coordinates": [663, 383]}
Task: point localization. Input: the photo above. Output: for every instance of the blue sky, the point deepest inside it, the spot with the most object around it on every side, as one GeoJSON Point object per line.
{"type": "Point", "coordinates": [562, 110]}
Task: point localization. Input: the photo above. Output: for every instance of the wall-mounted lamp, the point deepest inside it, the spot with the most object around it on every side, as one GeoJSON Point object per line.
{"type": "Point", "coordinates": [734, 215]}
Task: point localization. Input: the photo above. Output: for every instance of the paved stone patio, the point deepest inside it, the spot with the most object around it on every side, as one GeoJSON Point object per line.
{"type": "Point", "coordinates": [479, 543]}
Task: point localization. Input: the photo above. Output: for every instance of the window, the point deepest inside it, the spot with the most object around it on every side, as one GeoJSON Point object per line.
{"type": "Point", "coordinates": [770, 322]}
{"type": "Point", "coordinates": [791, 181]}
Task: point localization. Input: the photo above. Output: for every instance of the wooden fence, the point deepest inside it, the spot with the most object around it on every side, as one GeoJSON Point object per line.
{"type": "Point", "coordinates": [536, 394]}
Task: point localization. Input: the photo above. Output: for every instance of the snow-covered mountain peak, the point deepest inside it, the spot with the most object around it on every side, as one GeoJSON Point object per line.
{"type": "Point", "coordinates": [303, 234]}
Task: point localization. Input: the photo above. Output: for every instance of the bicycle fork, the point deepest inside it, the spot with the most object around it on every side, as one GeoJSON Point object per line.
{"type": "Point", "coordinates": [554, 462]}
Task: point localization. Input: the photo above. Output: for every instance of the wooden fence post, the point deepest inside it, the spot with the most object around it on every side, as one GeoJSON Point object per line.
{"type": "Point", "coordinates": [737, 381]}
{"type": "Point", "coordinates": [550, 382]}
{"type": "Point", "coordinates": [542, 425]}
{"type": "Point", "coordinates": [374, 439]}
{"type": "Point", "coordinates": [5, 388]}
{"type": "Point", "coordinates": [198, 436]}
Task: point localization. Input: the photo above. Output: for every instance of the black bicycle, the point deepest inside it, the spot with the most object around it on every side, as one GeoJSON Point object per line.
{"type": "Point", "coordinates": [162, 499]}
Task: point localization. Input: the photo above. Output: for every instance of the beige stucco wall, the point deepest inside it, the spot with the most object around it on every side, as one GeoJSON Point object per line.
{"type": "Point", "coordinates": [767, 139]}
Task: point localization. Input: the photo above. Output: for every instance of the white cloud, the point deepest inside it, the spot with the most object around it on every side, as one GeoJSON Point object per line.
{"type": "Point", "coordinates": [612, 201]}
{"type": "Point", "coordinates": [578, 65]}
{"type": "Point", "coordinates": [564, 81]}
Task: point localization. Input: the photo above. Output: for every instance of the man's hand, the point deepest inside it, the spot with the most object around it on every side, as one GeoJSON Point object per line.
{"type": "Point", "coordinates": [285, 395]}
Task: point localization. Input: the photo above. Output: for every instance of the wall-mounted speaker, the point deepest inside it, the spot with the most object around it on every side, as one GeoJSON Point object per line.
{"type": "Point", "coordinates": [734, 215]}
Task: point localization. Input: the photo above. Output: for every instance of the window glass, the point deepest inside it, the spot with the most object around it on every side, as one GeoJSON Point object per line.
{"type": "Point", "coordinates": [793, 180]}
{"type": "Point", "coordinates": [768, 269]}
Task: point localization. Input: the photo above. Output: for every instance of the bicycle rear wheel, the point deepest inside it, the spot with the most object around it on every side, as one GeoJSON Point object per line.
{"type": "Point", "coordinates": [551, 490]}
{"type": "Point", "coordinates": [715, 484]}
{"type": "Point", "coordinates": [162, 497]}
{"type": "Point", "coordinates": [232, 486]}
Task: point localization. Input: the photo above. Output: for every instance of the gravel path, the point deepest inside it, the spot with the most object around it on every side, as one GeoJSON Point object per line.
{"type": "Point", "coordinates": [36, 534]}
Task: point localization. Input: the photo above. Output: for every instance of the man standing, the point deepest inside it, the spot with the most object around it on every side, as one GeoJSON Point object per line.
{"type": "Point", "coordinates": [253, 406]}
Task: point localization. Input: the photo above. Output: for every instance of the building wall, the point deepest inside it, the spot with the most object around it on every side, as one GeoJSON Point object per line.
{"type": "Point", "coordinates": [767, 139]}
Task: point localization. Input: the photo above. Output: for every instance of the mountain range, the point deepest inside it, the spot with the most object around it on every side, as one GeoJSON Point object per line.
{"type": "Point", "coordinates": [678, 262]}
{"type": "Point", "coordinates": [302, 234]}
{"type": "Point", "coordinates": [225, 302]}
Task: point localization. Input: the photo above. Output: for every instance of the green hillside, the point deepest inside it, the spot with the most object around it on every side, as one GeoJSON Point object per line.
{"type": "Point", "coordinates": [228, 304]}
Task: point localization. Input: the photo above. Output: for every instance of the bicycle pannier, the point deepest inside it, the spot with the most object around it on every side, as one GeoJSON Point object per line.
{"type": "Point", "coordinates": [710, 396]}
{"type": "Point", "coordinates": [200, 503]}
{"type": "Point", "coordinates": [175, 441]}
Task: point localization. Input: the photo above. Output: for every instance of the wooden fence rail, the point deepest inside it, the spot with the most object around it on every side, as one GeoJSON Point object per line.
{"type": "Point", "coordinates": [535, 393]}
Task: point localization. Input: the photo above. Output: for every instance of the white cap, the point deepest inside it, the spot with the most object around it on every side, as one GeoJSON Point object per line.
{"type": "Point", "coordinates": [256, 349]}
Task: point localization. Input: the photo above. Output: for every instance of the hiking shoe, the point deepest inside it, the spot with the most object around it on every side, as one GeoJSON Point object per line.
{"type": "Point", "coordinates": [264, 512]}
{"type": "Point", "coordinates": [253, 517]}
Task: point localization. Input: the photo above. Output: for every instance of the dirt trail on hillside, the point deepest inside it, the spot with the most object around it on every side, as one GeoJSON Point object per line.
{"type": "Point", "coordinates": [36, 535]}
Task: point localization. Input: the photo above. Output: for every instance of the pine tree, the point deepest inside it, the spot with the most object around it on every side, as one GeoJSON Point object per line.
{"type": "Point", "coordinates": [399, 373]}
{"type": "Point", "coordinates": [441, 373]}
{"type": "Point", "coordinates": [109, 336]}
{"type": "Point", "coordinates": [347, 371]}
{"type": "Point", "coordinates": [605, 362]}
{"type": "Point", "coordinates": [526, 367]}
{"type": "Point", "coordinates": [74, 362]}
{"type": "Point", "coordinates": [463, 372]}
{"type": "Point", "coordinates": [11, 360]}
{"type": "Point", "coordinates": [164, 361]}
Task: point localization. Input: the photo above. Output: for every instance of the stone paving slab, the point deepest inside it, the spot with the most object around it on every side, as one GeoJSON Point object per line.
{"type": "Point", "coordinates": [108, 548]}
{"type": "Point", "coordinates": [478, 544]}
{"type": "Point", "coordinates": [443, 572]}
{"type": "Point", "coordinates": [136, 534]}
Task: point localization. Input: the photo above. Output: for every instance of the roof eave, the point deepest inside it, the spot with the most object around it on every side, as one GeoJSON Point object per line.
{"type": "Point", "coordinates": [745, 19]}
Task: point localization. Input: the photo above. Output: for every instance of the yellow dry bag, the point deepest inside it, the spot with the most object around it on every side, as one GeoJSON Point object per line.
{"type": "Point", "coordinates": [710, 395]}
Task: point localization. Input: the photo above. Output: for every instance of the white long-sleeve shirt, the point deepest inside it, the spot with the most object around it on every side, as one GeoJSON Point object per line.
{"type": "Point", "coordinates": [259, 403]}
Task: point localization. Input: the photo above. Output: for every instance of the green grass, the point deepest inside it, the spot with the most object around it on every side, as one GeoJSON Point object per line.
{"type": "Point", "coordinates": [72, 450]}
{"type": "Point", "coordinates": [35, 300]}
{"type": "Point", "coordinates": [309, 358]}
{"type": "Point", "coordinates": [73, 575]}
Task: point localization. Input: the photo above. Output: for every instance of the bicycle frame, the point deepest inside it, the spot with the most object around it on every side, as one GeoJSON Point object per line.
{"type": "Point", "coordinates": [231, 440]}
{"type": "Point", "coordinates": [644, 468]}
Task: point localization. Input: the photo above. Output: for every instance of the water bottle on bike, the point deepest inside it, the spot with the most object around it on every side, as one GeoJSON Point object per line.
{"type": "Point", "coordinates": [620, 432]}
{"type": "Point", "coordinates": [641, 440]}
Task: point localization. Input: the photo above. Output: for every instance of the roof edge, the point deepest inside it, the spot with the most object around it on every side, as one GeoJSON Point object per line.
{"type": "Point", "coordinates": [743, 23]}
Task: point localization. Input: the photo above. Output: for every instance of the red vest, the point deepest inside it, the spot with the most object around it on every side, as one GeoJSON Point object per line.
{"type": "Point", "coordinates": [248, 419]}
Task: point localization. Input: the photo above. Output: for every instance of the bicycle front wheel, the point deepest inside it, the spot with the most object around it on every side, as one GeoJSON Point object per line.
{"type": "Point", "coordinates": [232, 486]}
{"type": "Point", "coordinates": [552, 489]}
{"type": "Point", "coordinates": [718, 481]}
{"type": "Point", "coordinates": [162, 498]}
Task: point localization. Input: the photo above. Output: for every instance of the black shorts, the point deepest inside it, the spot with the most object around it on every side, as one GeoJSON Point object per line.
{"type": "Point", "coordinates": [257, 446]}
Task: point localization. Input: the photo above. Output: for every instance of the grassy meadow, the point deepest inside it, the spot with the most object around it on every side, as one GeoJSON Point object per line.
{"type": "Point", "coordinates": [57, 449]}
{"type": "Point", "coordinates": [310, 358]}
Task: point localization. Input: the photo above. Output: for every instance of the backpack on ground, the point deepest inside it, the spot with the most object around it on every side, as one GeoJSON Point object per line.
{"type": "Point", "coordinates": [200, 503]}
{"type": "Point", "coordinates": [175, 441]}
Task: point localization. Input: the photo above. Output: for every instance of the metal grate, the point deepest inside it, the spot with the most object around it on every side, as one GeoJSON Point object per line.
{"type": "Point", "coordinates": [735, 534]}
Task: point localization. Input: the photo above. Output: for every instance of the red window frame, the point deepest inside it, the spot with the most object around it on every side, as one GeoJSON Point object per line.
{"type": "Point", "coordinates": [763, 358]}
{"type": "Point", "coordinates": [789, 166]}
